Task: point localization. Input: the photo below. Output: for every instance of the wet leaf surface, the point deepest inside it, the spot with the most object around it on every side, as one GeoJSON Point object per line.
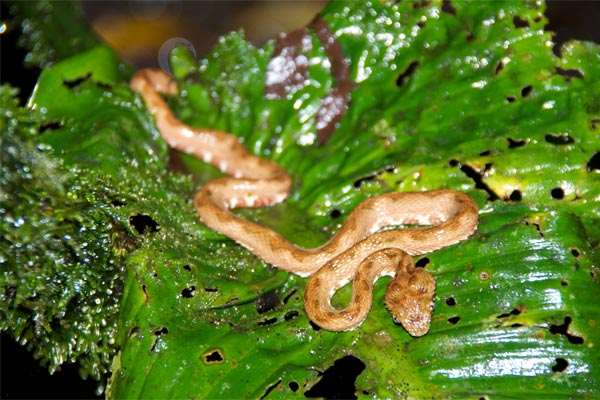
{"type": "Point", "coordinates": [467, 96]}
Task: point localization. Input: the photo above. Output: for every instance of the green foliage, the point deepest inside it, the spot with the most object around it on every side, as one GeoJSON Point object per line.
{"type": "Point", "coordinates": [52, 30]}
{"type": "Point", "coordinates": [464, 95]}
{"type": "Point", "coordinates": [60, 280]}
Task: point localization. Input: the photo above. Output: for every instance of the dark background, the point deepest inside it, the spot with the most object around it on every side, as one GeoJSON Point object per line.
{"type": "Point", "coordinates": [126, 26]}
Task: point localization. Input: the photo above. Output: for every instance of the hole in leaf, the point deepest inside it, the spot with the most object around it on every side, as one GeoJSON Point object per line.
{"type": "Point", "coordinates": [564, 330]}
{"type": "Point", "coordinates": [515, 143]}
{"type": "Point", "coordinates": [557, 50]}
{"type": "Point", "coordinates": [569, 73]}
{"type": "Point", "coordinates": [421, 263]}
{"type": "Point", "coordinates": [575, 252]}
{"type": "Point", "coordinates": [454, 320]}
{"type": "Point", "coordinates": [359, 182]}
{"type": "Point", "coordinates": [477, 178]}
{"type": "Point", "coordinates": [594, 163]}
{"type": "Point", "coordinates": [484, 275]}
{"type": "Point", "coordinates": [315, 327]}
{"type": "Point", "coordinates": [104, 86]}
{"type": "Point", "coordinates": [161, 331]}
{"type": "Point", "coordinates": [538, 228]}
{"type": "Point", "coordinates": [187, 267]}
{"type": "Point", "coordinates": [71, 84]}
{"type": "Point", "coordinates": [156, 346]}
{"type": "Point", "coordinates": [511, 99]}
{"type": "Point", "coordinates": [515, 195]}
{"type": "Point", "coordinates": [290, 315]}
{"type": "Point", "coordinates": [519, 22]}
{"type": "Point", "coordinates": [557, 193]}
{"type": "Point", "coordinates": [213, 357]}
{"type": "Point", "coordinates": [52, 125]}
{"type": "Point", "coordinates": [338, 381]}
{"type": "Point", "coordinates": [211, 290]}
{"type": "Point", "coordinates": [526, 91]}
{"type": "Point", "coordinates": [564, 282]}
{"type": "Point", "coordinates": [289, 296]}
{"type": "Point", "coordinates": [408, 72]}
{"type": "Point", "coordinates": [513, 312]}
{"type": "Point", "coordinates": [270, 389]}
{"type": "Point", "coordinates": [559, 139]}
{"type": "Point", "coordinates": [188, 292]}
{"type": "Point", "coordinates": [268, 321]}
{"type": "Point", "coordinates": [450, 301]}
{"type": "Point", "coordinates": [335, 213]}
{"type": "Point", "coordinates": [560, 366]}
{"type": "Point", "coordinates": [143, 224]}
{"type": "Point", "coordinates": [267, 301]}
{"type": "Point", "coordinates": [447, 7]}
{"type": "Point", "coordinates": [294, 386]}
{"type": "Point", "coordinates": [499, 68]}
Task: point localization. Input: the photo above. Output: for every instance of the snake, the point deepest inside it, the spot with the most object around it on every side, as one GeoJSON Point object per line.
{"type": "Point", "coordinates": [370, 244]}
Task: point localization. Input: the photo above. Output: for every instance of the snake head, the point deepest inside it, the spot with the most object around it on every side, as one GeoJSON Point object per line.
{"type": "Point", "coordinates": [409, 298]}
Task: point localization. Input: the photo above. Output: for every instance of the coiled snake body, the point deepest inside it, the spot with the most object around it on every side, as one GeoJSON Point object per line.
{"type": "Point", "coordinates": [359, 252]}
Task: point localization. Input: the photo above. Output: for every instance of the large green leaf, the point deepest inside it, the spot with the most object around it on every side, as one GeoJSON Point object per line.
{"type": "Point", "coordinates": [466, 96]}
{"type": "Point", "coordinates": [470, 111]}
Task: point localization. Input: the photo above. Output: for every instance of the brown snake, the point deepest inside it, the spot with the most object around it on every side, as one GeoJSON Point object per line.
{"type": "Point", "coordinates": [357, 252]}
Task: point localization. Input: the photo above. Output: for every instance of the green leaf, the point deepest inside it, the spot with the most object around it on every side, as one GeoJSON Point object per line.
{"type": "Point", "coordinates": [511, 314]}
{"type": "Point", "coordinates": [52, 30]}
{"type": "Point", "coordinates": [458, 95]}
